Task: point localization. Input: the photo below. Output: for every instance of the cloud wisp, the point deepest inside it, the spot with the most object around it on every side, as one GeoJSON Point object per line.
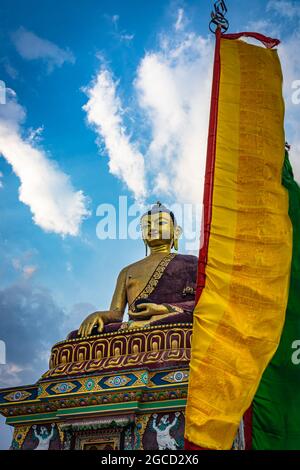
{"type": "Point", "coordinates": [285, 8]}
{"type": "Point", "coordinates": [55, 205]}
{"type": "Point", "coordinates": [26, 270]}
{"type": "Point", "coordinates": [179, 24]}
{"type": "Point", "coordinates": [32, 47]}
{"type": "Point", "coordinates": [105, 113]}
{"type": "Point", "coordinates": [119, 34]}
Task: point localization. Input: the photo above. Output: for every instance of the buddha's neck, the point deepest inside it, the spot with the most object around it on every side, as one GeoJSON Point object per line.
{"type": "Point", "coordinates": [165, 248]}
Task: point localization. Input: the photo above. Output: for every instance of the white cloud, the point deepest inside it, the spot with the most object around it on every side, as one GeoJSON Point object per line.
{"type": "Point", "coordinates": [284, 8]}
{"type": "Point", "coordinates": [10, 375]}
{"type": "Point", "coordinates": [55, 205]}
{"type": "Point", "coordinates": [9, 69]}
{"type": "Point", "coordinates": [172, 88]}
{"type": "Point", "coordinates": [263, 26]}
{"type": "Point", "coordinates": [173, 85]}
{"type": "Point", "coordinates": [105, 113]}
{"type": "Point", "coordinates": [32, 47]}
{"type": "Point", "coordinates": [35, 135]}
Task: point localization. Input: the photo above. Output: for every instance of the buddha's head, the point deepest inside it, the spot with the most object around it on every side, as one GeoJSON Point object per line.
{"type": "Point", "coordinates": [159, 227]}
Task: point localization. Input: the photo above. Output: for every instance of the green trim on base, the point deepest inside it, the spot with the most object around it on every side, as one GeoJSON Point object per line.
{"type": "Point", "coordinates": [34, 418]}
{"type": "Point", "coordinates": [125, 406]}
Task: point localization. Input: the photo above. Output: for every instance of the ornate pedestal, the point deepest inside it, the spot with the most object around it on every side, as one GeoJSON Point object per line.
{"type": "Point", "coordinates": [121, 390]}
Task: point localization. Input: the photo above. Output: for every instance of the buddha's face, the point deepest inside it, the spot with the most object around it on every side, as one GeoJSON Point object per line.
{"type": "Point", "coordinates": [157, 228]}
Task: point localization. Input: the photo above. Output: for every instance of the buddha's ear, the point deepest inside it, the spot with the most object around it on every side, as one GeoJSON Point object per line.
{"type": "Point", "coordinates": [177, 232]}
{"type": "Point", "coordinates": [177, 235]}
{"type": "Point", "coordinates": [146, 246]}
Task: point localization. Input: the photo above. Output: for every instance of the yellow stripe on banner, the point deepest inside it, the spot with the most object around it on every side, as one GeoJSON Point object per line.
{"type": "Point", "coordinates": [240, 315]}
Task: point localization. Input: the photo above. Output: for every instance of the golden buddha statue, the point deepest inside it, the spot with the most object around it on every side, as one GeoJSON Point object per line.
{"type": "Point", "coordinates": [156, 289]}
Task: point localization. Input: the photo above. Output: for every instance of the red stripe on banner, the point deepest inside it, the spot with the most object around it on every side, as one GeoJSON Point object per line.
{"type": "Point", "coordinates": [268, 42]}
{"type": "Point", "coordinates": [248, 428]}
{"type": "Point", "coordinates": [247, 418]}
{"type": "Point", "coordinates": [210, 166]}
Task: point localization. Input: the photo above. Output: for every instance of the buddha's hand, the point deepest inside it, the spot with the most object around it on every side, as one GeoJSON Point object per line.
{"type": "Point", "coordinates": [148, 310]}
{"type": "Point", "coordinates": [94, 319]}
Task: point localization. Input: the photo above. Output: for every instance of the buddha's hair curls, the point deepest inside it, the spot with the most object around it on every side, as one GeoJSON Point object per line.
{"type": "Point", "coordinates": [159, 207]}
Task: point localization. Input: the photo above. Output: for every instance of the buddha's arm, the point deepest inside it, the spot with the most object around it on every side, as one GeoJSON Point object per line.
{"type": "Point", "coordinates": [114, 314]}
{"type": "Point", "coordinates": [119, 300]}
{"type": "Point", "coordinates": [148, 310]}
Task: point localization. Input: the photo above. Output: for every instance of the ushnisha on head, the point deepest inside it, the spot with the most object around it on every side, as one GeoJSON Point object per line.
{"type": "Point", "coordinates": [159, 227]}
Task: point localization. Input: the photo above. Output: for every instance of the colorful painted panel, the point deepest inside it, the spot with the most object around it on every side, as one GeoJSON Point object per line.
{"type": "Point", "coordinates": [173, 377]}
{"type": "Point", "coordinates": [17, 395]}
{"type": "Point", "coordinates": [160, 431]}
{"type": "Point", "coordinates": [43, 437]}
{"type": "Point", "coordinates": [118, 381]}
{"type": "Point", "coordinates": [164, 432]}
{"type": "Point", "coordinates": [63, 387]}
{"type": "Point", "coordinates": [93, 384]}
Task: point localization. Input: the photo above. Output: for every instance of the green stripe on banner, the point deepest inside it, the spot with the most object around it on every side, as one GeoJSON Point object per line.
{"type": "Point", "coordinates": [276, 406]}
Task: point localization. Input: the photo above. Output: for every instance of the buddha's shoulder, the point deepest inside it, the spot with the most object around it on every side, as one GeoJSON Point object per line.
{"type": "Point", "coordinates": [186, 259]}
{"type": "Point", "coordinates": [132, 266]}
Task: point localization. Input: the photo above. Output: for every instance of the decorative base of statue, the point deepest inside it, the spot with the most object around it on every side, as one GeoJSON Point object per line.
{"type": "Point", "coordinates": [115, 384]}
{"type": "Point", "coordinates": [120, 390]}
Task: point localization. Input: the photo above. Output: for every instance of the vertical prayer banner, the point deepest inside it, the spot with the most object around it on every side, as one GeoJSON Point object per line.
{"type": "Point", "coordinates": [276, 405]}
{"type": "Point", "coordinates": [245, 261]}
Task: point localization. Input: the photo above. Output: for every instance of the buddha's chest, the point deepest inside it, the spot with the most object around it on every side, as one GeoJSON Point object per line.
{"type": "Point", "coordinates": [138, 277]}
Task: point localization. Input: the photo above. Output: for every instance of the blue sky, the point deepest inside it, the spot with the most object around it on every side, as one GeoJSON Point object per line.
{"type": "Point", "coordinates": [104, 99]}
